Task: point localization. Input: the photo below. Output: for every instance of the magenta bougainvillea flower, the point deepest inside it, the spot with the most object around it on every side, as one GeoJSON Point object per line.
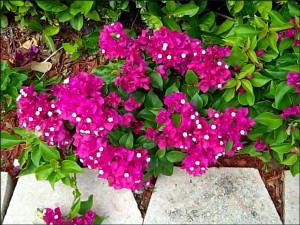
{"type": "Point", "coordinates": [55, 217]}
{"type": "Point", "coordinates": [169, 49]}
{"type": "Point", "coordinates": [293, 78]}
{"type": "Point", "coordinates": [291, 111]}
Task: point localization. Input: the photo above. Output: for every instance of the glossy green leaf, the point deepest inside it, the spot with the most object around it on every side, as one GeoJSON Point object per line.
{"type": "Point", "coordinates": [191, 78]}
{"type": "Point", "coordinates": [3, 21]}
{"type": "Point", "coordinates": [8, 140]}
{"type": "Point", "coordinates": [175, 156]}
{"type": "Point", "coordinates": [259, 80]}
{"type": "Point", "coordinates": [197, 100]}
{"type": "Point", "coordinates": [285, 44]}
{"type": "Point", "coordinates": [172, 89]}
{"type": "Point", "coordinates": [230, 83]}
{"type": "Point", "coordinates": [269, 119]}
{"type": "Point", "coordinates": [229, 94]}
{"type": "Point", "coordinates": [64, 16]}
{"type": "Point", "coordinates": [43, 171]}
{"type": "Point", "coordinates": [154, 22]}
{"type": "Point", "coordinates": [295, 168]}
{"type": "Point", "coordinates": [152, 100]}
{"type": "Point", "coordinates": [246, 70]}
{"type": "Point", "coordinates": [264, 7]}
{"type": "Point", "coordinates": [77, 22]}
{"type": "Point", "coordinates": [282, 89]}
{"type": "Point", "coordinates": [69, 166]}
{"type": "Point", "coordinates": [294, 8]}
{"type": "Point", "coordinates": [127, 140]}
{"type": "Point", "coordinates": [225, 26]}
{"type": "Point", "coordinates": [276, 18]}
{"type": "Point", "coordinates": [176, 118]}
{"type": "Point", "coordinates": [171, 24]}
{"type": "Point", "coordinates": [170, 5]}
{"type": "Point", "coordinates": [259, 22]}
{"type": "Point", "coordinates": [53, 5]}
{"type": "Point", "coordinates": [290, 160]}
{"type": "Point", "coordinates": [48, 152]}
{"type": "Point", "coordinates": [238, 6]}
{"type": "Point", "coordinates": [49, 41]}
{"type": "Point", "coordinates": [86, 205]}
{"type": "Point", "coordinates": [243, 30]}
{"type": "Point", "coordinates": [36, 155]}
{"type": "Point", "coordinates": [156, 80]}
{"type": "Point", "coordinates": [272, 39]}
{"type": "Point", "coordinates": [282, 148]}
{"type": "Point", "coordinates": [190, 9]}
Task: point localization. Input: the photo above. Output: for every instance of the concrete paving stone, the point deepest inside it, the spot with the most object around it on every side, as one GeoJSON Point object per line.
{"type": "Point", "coordinates": [6, 192]}
{"type": "Point", "coordinates": [221, 196]}
{"type": "Point", "coordinates": [291, 198]}
{"type": "Point", "coordinates": [117, 206]}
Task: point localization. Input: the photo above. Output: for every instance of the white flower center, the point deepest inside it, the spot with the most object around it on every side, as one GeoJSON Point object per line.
{"type": "Point", "coordinates": [183, 55]}
{"type": "Point", "coordinates": [184, 134]}
{"type": "Point", "coordinates": [74, 114]}
{"type": "Point", "coordinates": [30, 119]}
{"type": "Point", "coordinates": [159, 56]}
{"type": "Point", "coordinates": [182, 101]}
{"type": "Point", "coordinates": [206, 136]}
{"type": "Point", "coordinates": [197, 163]}
{"type": "Point", "coordinates": [233, 114]}
{"type": "Point", "coordinates": [169, 57]}
{"type": "Point", "coordinates": [88, 120]}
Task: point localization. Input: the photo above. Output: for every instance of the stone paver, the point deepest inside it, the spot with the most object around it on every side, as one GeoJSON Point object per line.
{"type": "Point", "coordinates": [221, 196]}
{"type": "Point", "coordinates": [116, 206]}
{"type": "Point", "coordinates": [291, 198]}
{"type": "Point", "coordinates": [6, 192]}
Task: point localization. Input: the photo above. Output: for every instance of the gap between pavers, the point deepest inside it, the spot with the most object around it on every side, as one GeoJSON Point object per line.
{"type": "Point", "coordinates": [220, 196]}
{"type": "Point", "coordinates": [117, 206]}
{"type": "Point", "coordinates": [7, 187]}
{"type": "Point", "coordinates": [291, 198]}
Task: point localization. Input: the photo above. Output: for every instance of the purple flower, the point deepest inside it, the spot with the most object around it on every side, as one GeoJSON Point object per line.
{"type": "Point", "coordinates": [290, 111]}
{"type": "Point", "coordinates": [259, 144]}
{"type": "Point", "coordinates": [260, 52]}
{"type": "Point", "coordinates": [131, 104]}
{"type": "Point", "coordinates": [23, 57]}
{"type": "Point", "coordinates": [293, 78]}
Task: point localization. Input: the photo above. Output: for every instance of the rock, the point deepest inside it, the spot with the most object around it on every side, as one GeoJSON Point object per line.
{"type": "Point", "coordinates": [291, 198]}
{"type": "Point", "coordinates": [117, 206]}
{"type": "Point", "coordinates": [6, 192]}
{"type": "Point", "coordinates": [222, 195]}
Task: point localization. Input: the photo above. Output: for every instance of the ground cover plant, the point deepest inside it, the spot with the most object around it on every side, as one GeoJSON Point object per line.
{"type": "Point", "coordinates": [194, 86]}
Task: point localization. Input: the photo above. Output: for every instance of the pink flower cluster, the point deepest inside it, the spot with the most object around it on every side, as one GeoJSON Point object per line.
{"type": "Point", "coordinates": [55, 217]}
{"type": "Point", "coordinates": [291, 111]}
{"type": "Point", "coordinates": [203, 141]}
{"type": "Point", "coordinates": [170, 49]}
{"type": "Point", "coordinates": [293, 78]}
{"type": "Point", "coordinates": [79, 102]}
{"type": "Point", "coordinates": [290, 33]}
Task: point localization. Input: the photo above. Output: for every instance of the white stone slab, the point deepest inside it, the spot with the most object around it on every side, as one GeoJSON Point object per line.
{"type": "Point", "coordinates": [6, 192]}
{"type": "Point", "coordinates": [291, 198]}
{"type": "Point", "coordinates": [221, 196]}
{"type": "Point", "coordinates": [117, 206]}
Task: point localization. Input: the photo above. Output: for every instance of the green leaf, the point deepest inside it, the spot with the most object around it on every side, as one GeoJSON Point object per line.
{"type": "Point", "coordinates": [77, 22]}
{"type": "Point", "coordinates": [246, 84]}
{"type": "Point", "coordinates": [160, 153]}
{"type": "Point", "coordinates": [207, 19]}
{"type": "Point", "coordinates": [246, 70]}
{"type": "Point", "coordinates": [229, 94]}
{"type": "Point", "coordinates": [197, 100]}
{"type": "Point", "coordinates": [295, 168]}
{"type": "Point", "coordinates": [94, 15]}
{"type": "Point", "coordinates": [230, 83]}
{"type": "Point", "coordinates": [229, 145]}
{"type": "Point", "coordinates": [98, 220]}
{"type": "Point", "coordinates": [225, 26]}
{"type": "Point", "coordinates": [42, 172]}
{"type": "Point", "coordinates": [237, 56]}
{"type": "Point", "coordinates": [276, 18]}
{"type": "Point", "coordinates": [127, 140]}
{"type": "Point", "coordinates": [20, 131]}
{"type": "Point", "coordinates": [259, 22]}
{"type": "Point", "coordinates": [265, 156]}
{"type": "Point", "coordinates": [147, 115]}
{"type": "Point", "coordinates": [282, 148]}
{"type": "Point", "coordinates": [77, 7]}
{"type": "Point", "coordinates": [3, 21]}
{"type": "Point", "coordinates": [291, 68]}
{"type": "Point", "coordinates": [154, 22]}
{"type": "Point", "coordinates": [263, 8]}
{"type": "Point", "coordinates": [51, 30]}
{"type": "Point", "coordinates": [34, 25]}
{"type": "Point", "coordinates": [49, 41]}
{"type": "Point", "coordinates": [243, 30]}
{"type": "Point", "coordinates": [175, 156]}
{"type": "Point", "coordinates": [107, 72]}
{"type": "Point", "coordinates": [53, 6]}
{"type": "Point", "coordinates": [285, 44]}
{"type": "Point", "coordinates": [176, 118]}
{"type": "Point", "coordinates": [75, 208]}
{"type": "Point", "coordinates": [36, 155]}
{"type": "Point", "coordinates": [8, 140]}
{"type": "Point", "coordinates": [48, 153]}
{"type": "Point", "coordinates": [170, 5]}
{"type": "Point", "coordinates": [86, 205]}
{"type": "Point", "coordinates": [69, 166]}
{"type": "Point", "coordinates": [114, 136]}
{"type": "Point", "coordinates": [269, 119]}
{"type": "Point", "coordinates": [69, 48]}
{"type": "Point", "coordinates": [191, 78]}
{"type": "Point", "coordinates": [64, 16]}
{"type": "Point", "coordinates": [294, 9]}
{"type": "Point", "coordinates": [272, 39]}
{"type": "Point", "coordinates": [190, 9]}
{"type": "Point", "coordinates": [290, 160]}
{"type": "Point", "coordinates": [252, 55]}
{"type": "Point", "coordinates": [172, 89]}
{"type": "Point", "coordinates": [171, 24]}
{"type": "Point", "coordinates": [282, 89]}
{"type": "Point", "coordinates": [259, 80]}
{"type": "Point", "coordinates": [238, 6]}
{"type": "Point", "coordinates": [156, 80]}
{"type": "Point", "coordinates": [152, 100]}
{"type": "Point", "coordinates": [16, 3]}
